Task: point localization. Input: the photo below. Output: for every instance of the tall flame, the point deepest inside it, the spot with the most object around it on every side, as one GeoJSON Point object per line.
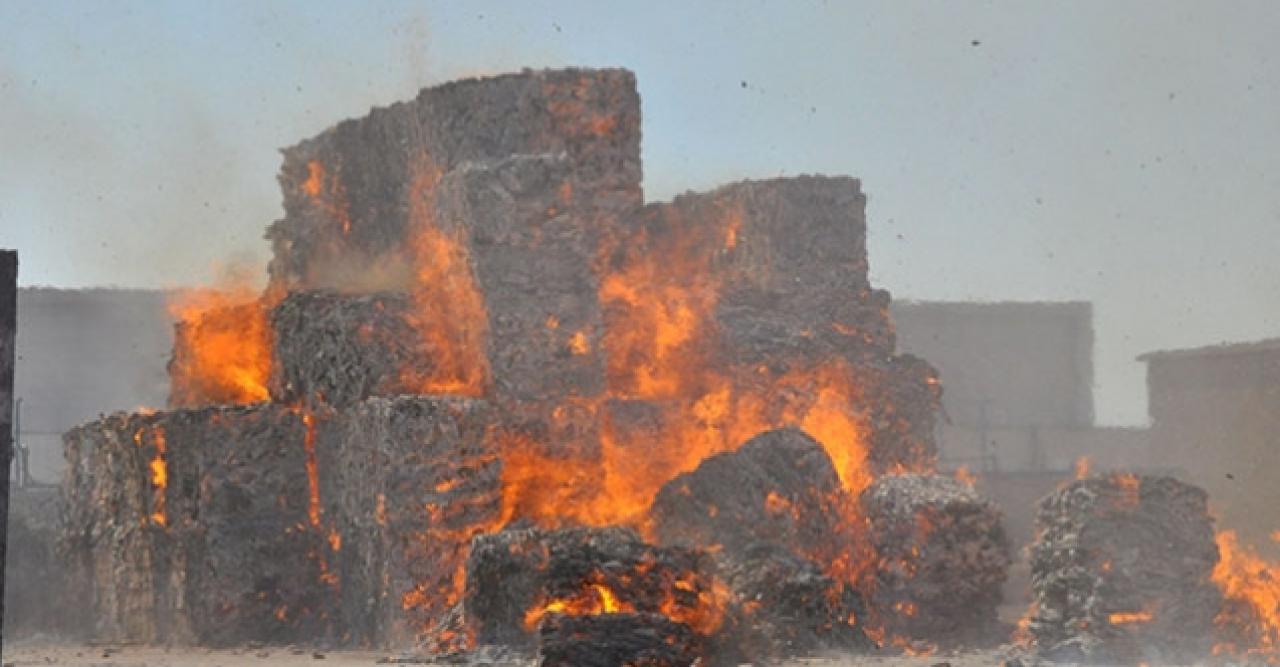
{"type": "Point", "coordinates": [222, 353]}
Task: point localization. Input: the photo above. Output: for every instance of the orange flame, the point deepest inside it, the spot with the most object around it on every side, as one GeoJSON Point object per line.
{"type": "Point", "coordinates": [592, 600]}
{"type": "Point", "coordinates": [222, 353]}
{"type": "Point", "coordinates": [1082, 467]}
{"type": "Point", "coordinates": [449, 310]}
{"type": "Point", "coordinates": [1250, 618]}
{"type": "Point", "coordinates": [1127, 617]}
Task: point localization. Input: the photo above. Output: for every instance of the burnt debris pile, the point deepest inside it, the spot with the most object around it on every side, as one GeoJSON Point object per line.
{"type": "Point", "coordinates": [490, 396]}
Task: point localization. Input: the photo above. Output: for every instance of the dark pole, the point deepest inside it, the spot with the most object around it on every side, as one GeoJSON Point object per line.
{"type": "Point", "coordinates": [8, 334]}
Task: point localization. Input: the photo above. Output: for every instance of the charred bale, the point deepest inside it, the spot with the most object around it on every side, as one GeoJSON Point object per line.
{"type": "Point", "coordinates": [615, 640]}
{"type": "Point", "coordinates": [406, 483]}
{"type": "Point", "coordinates": [336, 349]}
{"type": "Point", "coordinates": [352, 193]}
{"type": "Point", "coordinates": [787, 607]}
{"type": "Point", "coordinates": [1120, 571]}
{"type": "Point", "coordinates": [942, 557]}
{"type": "Point", "coordinates": [515, 578]}
{"type": "Point", "coordinates": [253, 550]}
{"type": "Point", "coordinates": [117, 555]}
{"type": "Point", "coordinates": [193, 525]}
{"type": "Point", "coordinates": [533, 231]}
{"type": "Point", "coordinates": [780, 487]}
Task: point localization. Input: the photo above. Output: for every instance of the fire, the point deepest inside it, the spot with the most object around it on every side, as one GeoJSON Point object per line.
{"type": "Point", "coordinates": [313, 470]}
{"type": "Point", "coordinates": [966, 477]}
{"type": "Point", "coordinates": [327, 193]}
{"type": "Point", "coordinates": [1250, 618]}
{"type": "Point", "coordinates": [1127, 617]}
{"type": "Point", "coordinates": [592, 600]}
{"type": "Point", "coordinates": [1130, 489]}
{"type": "Point", "coordinates": [1082, 467]}
{"type": "Point", "coordinates": [222, 351]}
{"type": "Point", "coordinates": [449, 310]}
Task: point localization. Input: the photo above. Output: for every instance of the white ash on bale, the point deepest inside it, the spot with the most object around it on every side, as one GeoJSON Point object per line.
{"type": "Point", "coordinates": [519, 577]}
{"type": "Point", "coordinates": [337, 349]}
{"type": "Point", "coordinates": [942, 556]}
{"type": "Point", "coordinates": [193, 525]}
{"type": "Point", "coordinates": [352, 192]}
{"type": "Point", "coordinates": [407, 482]}
{"type": "Point", "coordinates": [610, 640]}
{"type": "Point", "coordinates": [1120, 571]}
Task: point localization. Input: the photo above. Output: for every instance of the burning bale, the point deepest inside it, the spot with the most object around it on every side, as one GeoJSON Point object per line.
{"type": "Point", "coordinates": [337, 349]}
{"type": "Point", "coordinates": [610, 640]}
{"type": "Point", "coordinates": [1121, 571]}
{"type": "Point", "coordinates": [788, 607]}
{"type": "Point", "coordinates": [941, 559]}
{"type": "Point", "coordinates": [516, 578]}
{"type": "Point", "coordinates": [780, 487]}
{"type": "Point", "coordinates": [474, 323]}
{"type": "Point", "coordinates": [407, 482]}
{"type": "Point", "coordinates": [193, 524]}
{"type": "Point", "coordinates": [354, 194]}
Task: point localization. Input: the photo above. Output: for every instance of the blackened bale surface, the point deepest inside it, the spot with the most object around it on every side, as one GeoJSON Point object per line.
{"type": "Point", "coordinates": [780, 487]}
{"type": "Point", "coordinates": [193, 525]}
{"type": "Point", "coordinates": [942, 558]}
{"type": "Point", "coordinates": [1121, 571]}
{"type": "Point", "coordinates": [517, 577]}
{"type": "Point", "coordinates": [616, 640]}
{"type": "Point", "coordinates": [788, 607]}
{"type": "Point", "coordinates": [336, 349]}
{"type": "Point", "coordinates": [352, 192]}
{"type": "Point", "coordinates": [406, 482]}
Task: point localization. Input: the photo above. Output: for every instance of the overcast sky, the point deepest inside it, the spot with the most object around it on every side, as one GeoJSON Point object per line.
{"type": "Point", "coordinates": [1125, 153]}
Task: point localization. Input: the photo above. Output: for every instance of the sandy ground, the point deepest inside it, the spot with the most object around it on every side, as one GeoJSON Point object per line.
{"type": "Point", "coordinates": [102, 656]}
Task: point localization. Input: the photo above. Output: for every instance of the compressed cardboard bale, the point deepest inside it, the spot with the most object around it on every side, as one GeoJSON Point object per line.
{"type": "Point", "coordinates": [612, 640]}
{"type": "Point", "coordinates": [1120, 571]}
{"type": "Point", "coordinates": [517, 577]}
{"type": "Point", "coordinates": [352, 192]}
{"type": "Point", "coordinates": [780, 487]}
{"type": "Point", "coordinates": [337, 349]}
{"type": "Point", "coordinates": [246, 516]}
{"type": "Point", "coordinates": [117, 555]}
{"type": "Point", "coordinates": [942, 558]}
{"type": "Point", "coordinates": [533, 232]}
{"type": "Point", "coordinates": [407, 481]}
{"type": "Point", "coordinates": [788, 607]}
{"type": "Point", "coordinates": [785, 259]}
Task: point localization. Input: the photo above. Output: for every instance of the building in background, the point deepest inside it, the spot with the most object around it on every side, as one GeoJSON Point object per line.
{"type": "Point", "coordinates": [1215, 415]}
{"type": "Point", "coordinates": [82, 353]}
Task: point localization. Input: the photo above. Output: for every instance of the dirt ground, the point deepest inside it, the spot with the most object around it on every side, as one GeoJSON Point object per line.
{"type": "Point", "coordinates": [100, 656]}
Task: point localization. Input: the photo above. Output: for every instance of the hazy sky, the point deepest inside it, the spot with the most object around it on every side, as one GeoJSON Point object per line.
{"type": "Point", "coordinates": [1125, 153]}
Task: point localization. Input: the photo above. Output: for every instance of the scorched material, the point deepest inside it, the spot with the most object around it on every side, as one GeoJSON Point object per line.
{"type": "Point", "coordinates": [337, 349]}
{"type": "Point", "coordinates": [193, 524]}
{"type": "Point", "coordinates": [1120, 571]}
{"type": "Point", "coordinates": [517, 577]}
{"type": "Point", "coordinates": [787, 607]}
{"type": "Point", "coordinates": [942, 557]}
{"type": "Point", "coordinates": [407, 482]}
{"type": "Point", "coordinates": [613, 640]}
{"type": "Point", "coordinates": [779, 487]}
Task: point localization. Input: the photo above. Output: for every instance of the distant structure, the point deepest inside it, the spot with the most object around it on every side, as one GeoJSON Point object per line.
{"type": "Point", "coordinates": [1216, 416]}
{"type": "Point", "coordinates": [82, 353]}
